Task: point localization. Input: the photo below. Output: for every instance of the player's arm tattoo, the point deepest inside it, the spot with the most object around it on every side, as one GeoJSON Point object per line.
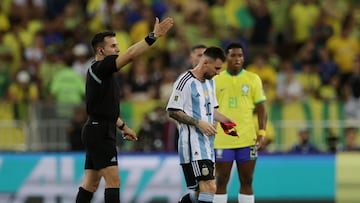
{"type": "Point", "coordinates": [181, 117]}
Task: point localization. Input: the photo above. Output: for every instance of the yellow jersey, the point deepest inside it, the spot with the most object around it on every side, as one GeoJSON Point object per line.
{"type": "Point", "coordinates": [237, 96]}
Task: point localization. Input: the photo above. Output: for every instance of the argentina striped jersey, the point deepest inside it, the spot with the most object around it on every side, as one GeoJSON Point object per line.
{"type": "Point", "coordinates": [198, 100]}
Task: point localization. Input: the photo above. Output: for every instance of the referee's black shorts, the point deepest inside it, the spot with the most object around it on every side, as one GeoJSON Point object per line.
{"type": "Point", "coordinates": [99, 138]}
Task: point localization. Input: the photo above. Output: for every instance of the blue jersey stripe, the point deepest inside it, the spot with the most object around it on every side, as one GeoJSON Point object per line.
{"type": "Point", "coordinates": [195, 102]}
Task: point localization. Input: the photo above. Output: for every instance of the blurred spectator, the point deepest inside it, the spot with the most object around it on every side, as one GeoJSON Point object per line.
{"type": "Point", "coordinates": [219, 19]}
{"type": "Point", "coordinates": [67, 89]}
{"type": "Point", "coordinates": [178, 52]}
{"type": "Point", "coordinates": [166, 84]}
{"type": "Point", "coordinates": [15, 41]}
{"type": "Point", "coordinates": [156, 70]}
{"type": "Point", "coordinates": [52, 33]}
{"type": "Point", "coordinates": [4, 20]}
{"type": "Point", "coordinates": [55, 8]}
{"type": "Point", "coordinates": [151, 133]}
{"type": "Point", "coordinates": [139, 86]}
{"type": "Point", "coordinates": [273, 57]}
{"type": "Point", "coordinates": [260, 35]}
{"type": "Point", "coordinates": [303, 14]}
{"type": "Point", "coordinates": [207, 36]}
{"type": "Point", "coordinates": [267, 73]}
{"type": "Point", "coordinates": [321, 30]}
{"type": "Point", "coordinates": [332, 142]}
{"type": "Point", "coordinates": [327, 68]}
{"type": "Point", "coordinates": [81, 61]}
{"type": "Point", "coordinates": [75, 127]}
{"type": "Point", "coordinates": [309, 79]}
{"type": "Point", "coordinates": [48, 68]}
{"type": "Point", "coordinates": [288, 87]}
{"type": "Point", "coordinates": [352, 92]}
{"type": "Point", "coordinates": [28, 9]}
{"type": "Point", "coordinates": [306, 55]}
{"type": "Point", "coordinates": [261, 67]}
{"type": "Point", "coordinates": [118, 25]}
{"type": "Point", "coordinates": [134, 10]}
{"type": "Point", "coordinates": [142, 27]}
{"type": "Point", "coordinates": [35, 54]}
{"type": "Point", "coordinates": [350, 141]}
{"type": "Point", "coordinates": [304, 145]}
{"type": "Point", "coordinates": [195, 13]}
{"type": "Point", "coordinates": [328, 91]}
{"type": "Point", "coordinates": [4, 69]}
{"type": "Point", "coordinates": [280, 21]}
{"type": "Point", "coordinates": [335, 11]}
{"type": "Point", "coordinates": [22, 92]}
{"type": "Point", "coordinates": [71, 18]}
{"type": "Point", "coordinates": [344, 49]}
{"type": "Point", "coordinates": [99, 13]}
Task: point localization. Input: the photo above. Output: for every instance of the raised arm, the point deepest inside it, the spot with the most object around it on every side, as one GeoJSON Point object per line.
{"type": "Point", "coordinates": [160, 29]}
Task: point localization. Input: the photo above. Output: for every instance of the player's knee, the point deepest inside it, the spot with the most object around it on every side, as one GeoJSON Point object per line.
{"type": "Point", "coordinates": [212, 188]}
{"type": "Point", "coordinates": [221, 181]}
{"type": "Point", "coordinates": [209, 187]}
{"type": "Point", "coordinates": [246, 181]}
{"type": "Point", "coordinates": [91, 186]}
{"type": "Point", "coordinates": [112, 182]}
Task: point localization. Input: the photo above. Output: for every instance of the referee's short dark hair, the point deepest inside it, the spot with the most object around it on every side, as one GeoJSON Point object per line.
{"type": "Point", "coordinates": [98, 38]}
{"type": "Point", "coordinates": [233, 45]}
{"type": "Point", "coordinates": [215, 53]}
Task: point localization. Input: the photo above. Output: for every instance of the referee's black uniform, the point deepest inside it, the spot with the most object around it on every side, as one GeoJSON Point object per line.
{"type": "Point", "coordinates": [102, 106]}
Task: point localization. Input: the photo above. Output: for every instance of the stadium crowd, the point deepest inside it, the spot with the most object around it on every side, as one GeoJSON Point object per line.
{"type": "Point", "coordinates": [301, 49]}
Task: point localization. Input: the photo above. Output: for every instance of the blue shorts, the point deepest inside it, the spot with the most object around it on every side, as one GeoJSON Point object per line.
{"type": "Point", "coordinates": [240, 155]}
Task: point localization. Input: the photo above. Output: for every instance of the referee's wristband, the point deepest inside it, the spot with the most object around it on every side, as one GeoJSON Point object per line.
{"type": "Point", "coordinates": [262, 132]}
{"type": "Point", "coordinates": [150, 39]}
{"type": "Point", "coordinates": [122, 126]}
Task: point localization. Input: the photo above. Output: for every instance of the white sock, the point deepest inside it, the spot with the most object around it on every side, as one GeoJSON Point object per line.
{"type": "Point", "coordinates": [220, 198]}
{"type": "Point", "coordinates": [246, 198]}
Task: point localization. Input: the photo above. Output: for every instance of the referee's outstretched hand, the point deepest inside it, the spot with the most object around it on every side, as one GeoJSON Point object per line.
{"type": "Point", "coordinates": [129, 134]}
{"type": "Point", "coordinates": [161, 28]}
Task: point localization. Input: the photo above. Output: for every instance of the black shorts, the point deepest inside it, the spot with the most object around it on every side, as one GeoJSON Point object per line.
{"type": "Point", "coordinates": [99, 138]}
{"type": "Point", "coordinates": [197, 171]}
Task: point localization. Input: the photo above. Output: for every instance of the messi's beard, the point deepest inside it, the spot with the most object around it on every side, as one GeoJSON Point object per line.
{"type": "Point", "coordinates": [207, 76]}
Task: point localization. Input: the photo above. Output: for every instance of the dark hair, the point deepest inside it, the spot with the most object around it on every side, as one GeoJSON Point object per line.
{"type": "Point", "coordinates": [99, 38]}
{"type": "Point", "coordinates": [215, 53]}
{"type": "Point", "coordinates": [233, 45]}
{"type": "Point", "coordinates": [198, 46]}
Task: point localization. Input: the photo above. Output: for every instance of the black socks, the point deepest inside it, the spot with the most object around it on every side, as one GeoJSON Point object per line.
{"type": "Point", "coordinates": [83, 196]}
{"type": "Point", "coordinates": [112, 195]}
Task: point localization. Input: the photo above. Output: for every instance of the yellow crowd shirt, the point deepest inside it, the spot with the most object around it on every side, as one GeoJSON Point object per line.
{"type": "Point", "coordinates": [237, 97]}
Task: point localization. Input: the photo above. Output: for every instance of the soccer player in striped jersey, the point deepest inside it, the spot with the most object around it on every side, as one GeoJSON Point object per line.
{"type": "Point", "coordinates": [193, 105]}
{"type": "Point", "coordinates": [239, 92]}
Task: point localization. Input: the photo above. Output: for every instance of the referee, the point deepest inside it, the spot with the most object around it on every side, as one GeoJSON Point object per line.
{"type": "Point", "coordinates": [102, 105]}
